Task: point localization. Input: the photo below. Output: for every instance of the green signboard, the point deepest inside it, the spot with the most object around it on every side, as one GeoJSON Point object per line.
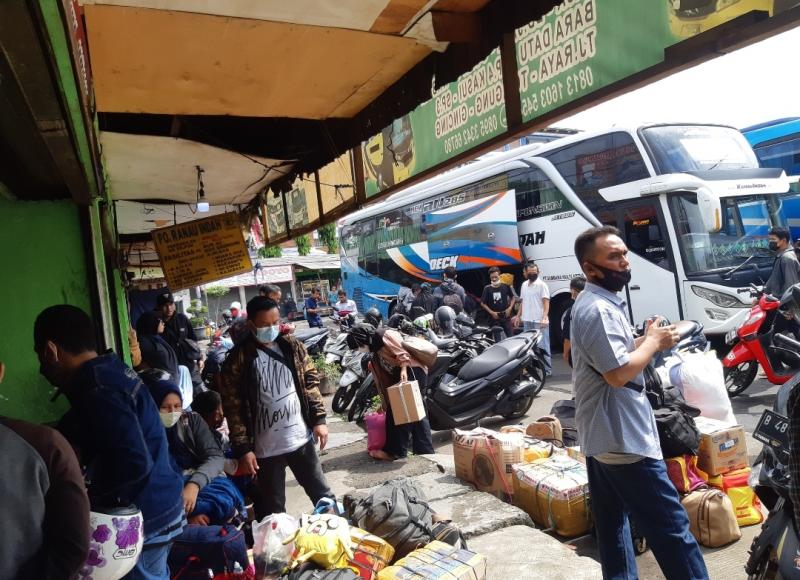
{"type": "Point", "coordinates": [458, 117]}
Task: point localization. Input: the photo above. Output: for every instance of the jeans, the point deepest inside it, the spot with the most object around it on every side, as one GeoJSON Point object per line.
{"type": "Point", "coordinates": [643, 491]}
{"type": "Point", "coordinates": [419, 432]}
{"type": "Point", "coordinates": [544, 344]}
{"type": "Point", "coordinates": [307, 469]}
{"type": "Point", "coordinates": [152, 563]}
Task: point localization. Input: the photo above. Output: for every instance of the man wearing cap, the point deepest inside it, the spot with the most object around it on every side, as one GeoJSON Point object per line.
{"type": "Point", "coordinates": [177, 329]}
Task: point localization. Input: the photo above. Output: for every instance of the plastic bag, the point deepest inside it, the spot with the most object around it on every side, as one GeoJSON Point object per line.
{"type": "Point", "coordinates": [270, 553]}
{"type": "Point", "coordinates": [703, 384]}
{"type": "Point", "coordinates": [376, 431]}
{"type": "Point", "coordinates": [323, 539]}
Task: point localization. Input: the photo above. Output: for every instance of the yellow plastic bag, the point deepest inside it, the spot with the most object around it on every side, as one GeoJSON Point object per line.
{"type": "Point", "coordinates": [745, 502]}
{"type": "Point", "coordinates": [324, 539]}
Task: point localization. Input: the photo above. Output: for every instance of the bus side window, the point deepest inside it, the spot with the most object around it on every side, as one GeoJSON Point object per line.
{"type": "Point", "coordinates": [533, 189]}
{"type": "Point", "coordinates": [643, 234]}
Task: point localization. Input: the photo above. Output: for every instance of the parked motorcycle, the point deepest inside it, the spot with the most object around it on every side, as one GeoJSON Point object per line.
{"type": "Point", "coordinates": [355, 370]}
{"type": "Point", "coordinates": [774, 552]}
{"type": "Point", "coordinates": [757, 342]}
{"type": "Point", "coordinates": [314, 339]}
{"type": "Point", "coordinates": [337, 349]}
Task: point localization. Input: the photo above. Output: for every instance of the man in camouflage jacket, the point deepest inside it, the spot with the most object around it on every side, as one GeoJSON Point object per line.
{"type": "Point", "coordinates": [270, 394]}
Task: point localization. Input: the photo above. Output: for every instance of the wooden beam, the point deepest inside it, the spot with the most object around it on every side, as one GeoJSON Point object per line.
{"type": "Point", "coordinates": [457, 27]}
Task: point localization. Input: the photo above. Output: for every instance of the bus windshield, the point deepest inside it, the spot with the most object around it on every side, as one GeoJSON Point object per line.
{"type": "Point", "coordinates": [743, 236]}
{"type": "Point", "coordinates": [685, 148]}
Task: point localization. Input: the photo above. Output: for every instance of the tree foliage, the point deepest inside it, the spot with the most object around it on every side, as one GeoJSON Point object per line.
{"type": "Point", "coordinates": [327, 235]}
{"type": "Point", "coordinates": [217, 291]}
{"type": "Point", "coordinates": [270, 252]}
{"type": "Point", "coordinates": [303, 244]}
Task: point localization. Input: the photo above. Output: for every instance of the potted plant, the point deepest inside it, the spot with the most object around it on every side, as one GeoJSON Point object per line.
{"type": "Point", "coordinates": [198, 314]}
{"type": "Point", "coordinates": [329, 375]}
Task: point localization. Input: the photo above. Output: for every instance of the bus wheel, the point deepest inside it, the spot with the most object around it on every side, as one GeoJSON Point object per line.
{"type": "Point", "coordinates": [557, 309]}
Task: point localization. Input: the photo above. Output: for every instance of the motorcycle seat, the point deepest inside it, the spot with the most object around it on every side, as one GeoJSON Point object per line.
{"type": "Point", "coordinates": [493, 358]}
{"type": "Point", "coordinates": [308, 333]}
{"type": "Point", "coordinates": [687, 328]}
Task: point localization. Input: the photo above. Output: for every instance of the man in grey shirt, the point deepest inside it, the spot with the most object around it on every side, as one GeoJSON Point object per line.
{"type": "Point", "coordinates": [616, 427]}
{"type": "Point", "coordinates": [786, 271]}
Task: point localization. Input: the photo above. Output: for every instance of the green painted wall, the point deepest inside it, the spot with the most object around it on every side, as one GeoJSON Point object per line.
{"type": "Point", "coordinates": [42, 263]}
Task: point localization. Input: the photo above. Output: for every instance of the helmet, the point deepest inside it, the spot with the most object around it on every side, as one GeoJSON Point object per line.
{"type": "Point", "coordinates": [416, 312]}
{"type": "Point", "coordinates": [395, 320]}
{"type": "Point", "coordinates": [360, 335]}
{"type": "Point", "coordinates": [116, 537]}
{"type": "Point", "coordinates": [373, 317]}
{"type": "Point", "coordinates": [424, 321]}
{"type": "Point", "coordinates": [445, 320]}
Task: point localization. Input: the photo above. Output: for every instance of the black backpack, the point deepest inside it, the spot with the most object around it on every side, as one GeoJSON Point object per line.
{"type": "Point", "coordinates": [677, 432]}
{"type": "Point", "coordinates": [397, 512]}
{"type": "Point", "coordinates": [310, 571]}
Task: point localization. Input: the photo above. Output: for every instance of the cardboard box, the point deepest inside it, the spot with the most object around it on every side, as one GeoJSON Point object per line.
{"type": "Point", "coordinates": [437, 561]}
{"type": "Point", "coordinates": [555, 493]}
{"type": "Point", "coordinates": [405, 400]}
{"type": "Point", "coordinates": [484, 458]}
{"type": "Point", "coordinates": [576, 454]}
{"type": "Point", "coordinates": [722, 446]}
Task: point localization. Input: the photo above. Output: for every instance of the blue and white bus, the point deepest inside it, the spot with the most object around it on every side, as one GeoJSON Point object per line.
{"type": "Point", "coordinates": [777, 144]}
{"type": "Point", "coordinates": [680, 194]}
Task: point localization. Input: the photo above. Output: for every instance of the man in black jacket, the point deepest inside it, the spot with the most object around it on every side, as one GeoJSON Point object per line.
{"type": "Point", "coordinates": [786, 271]}
{"type": "Point", "coordinates": [177, 329]}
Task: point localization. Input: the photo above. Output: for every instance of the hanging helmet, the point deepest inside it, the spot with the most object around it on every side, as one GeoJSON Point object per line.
{"type": "Point", "coordinates": [424, 321]}
{"type": "Point", "coordinates": [116, 537]}
{"type": "Point", "coordinates": [416, 312]}
{"type": "Point", "coordinates": [445, 320]}
{"type": "Point", "coordinates": [360, 335]}
{"type": "Point", "coordinates": [395, 320]}
{"type": "Point", "coordinates": [373, 317]}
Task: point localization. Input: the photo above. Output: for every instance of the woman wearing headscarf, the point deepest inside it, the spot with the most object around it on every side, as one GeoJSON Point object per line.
{"type": "Point", "coordinates": [209, 497]}
{"type": "Point", "coordinates": [156, 352]}
{"type": "Point", "coordinates": [393, 364]}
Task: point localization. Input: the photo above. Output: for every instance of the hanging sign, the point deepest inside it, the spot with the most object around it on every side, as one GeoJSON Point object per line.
{"type": "Point", "coordinates": [202, 251]}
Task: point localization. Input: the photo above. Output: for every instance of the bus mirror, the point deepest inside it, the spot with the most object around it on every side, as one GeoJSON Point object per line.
{"type": "Point", "coordinates": [710, 209]}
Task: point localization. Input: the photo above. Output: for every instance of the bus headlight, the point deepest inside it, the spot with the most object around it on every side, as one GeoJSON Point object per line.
{"type": "Point", "coordinates": [718, 298]}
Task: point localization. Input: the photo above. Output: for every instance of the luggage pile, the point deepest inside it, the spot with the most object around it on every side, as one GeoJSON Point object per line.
{"type": "Point", "coordinates": [388, 534]}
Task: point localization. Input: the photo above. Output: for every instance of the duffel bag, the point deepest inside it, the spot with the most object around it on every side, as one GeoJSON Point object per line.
{"type": "Point", "coordinates": [677, 432]}
{"type": "Point", "coordinates": [310, 571]}
{"type": "Point", "coordinates": [200, 548]}
{"type": "Point", "coordinates": [397, 512]}
{"type": "Point", "coordinates": [712, 520]}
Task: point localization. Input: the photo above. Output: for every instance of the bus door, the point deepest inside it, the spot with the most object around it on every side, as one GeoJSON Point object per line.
{"type": "Point", "coordinates": [653, 289]}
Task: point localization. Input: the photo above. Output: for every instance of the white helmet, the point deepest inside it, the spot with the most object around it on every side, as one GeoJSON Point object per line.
{"type": "Point", "coordinates": [236, 305]}
{"type": "Point", "coordinates": [116, 537]}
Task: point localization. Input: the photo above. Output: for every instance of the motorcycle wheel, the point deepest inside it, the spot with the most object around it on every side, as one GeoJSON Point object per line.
{"type": "Point", "coordinates": [342, 399]}
{"type": "Point", "coordinates": [521, 407]}
{"type": "Point", "coordinates": [738, 378]}
{"type": "Point", "coordinates": [361, 403]}
{"type": "Point", "coordinates": [764, 569]}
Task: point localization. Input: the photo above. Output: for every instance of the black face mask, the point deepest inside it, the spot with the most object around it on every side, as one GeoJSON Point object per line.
{"type": "Point", "coordinates": [613, 280]}
{"type": "Point", "coordinates": [773, 246]}
{"type": "Point", "coordinates": [533, 277]}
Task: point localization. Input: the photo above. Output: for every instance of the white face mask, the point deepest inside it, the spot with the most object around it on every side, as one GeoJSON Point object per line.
{"type": "Point", "coordinates": [169, 419]}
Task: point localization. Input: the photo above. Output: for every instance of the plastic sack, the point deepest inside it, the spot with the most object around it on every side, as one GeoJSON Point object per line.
{"type": "Point", "coordinates": [703, 384]}
{"type": "Point", "coordinates": [376, 431]}
{"type": "Point", "coordinates": [270, 553]}
{"type": "Point", "coordinates": [323, 539]}
{"type": "Point", "coordinates": [185, 386]}
{"type": "Point", "coordinates": [745, 502]}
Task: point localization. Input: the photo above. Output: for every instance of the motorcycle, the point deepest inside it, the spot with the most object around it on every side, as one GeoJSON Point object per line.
{"type": "Point", "coordinates": [757, 342]}
{"type": "Point", "coordinates": [337, 350]}
{"type": "Point", "coordinates": [775, 551]}
{"type": "Point", "coordinates": [314, 339]}
{"type": "Point", "coordinates": [355, 370]}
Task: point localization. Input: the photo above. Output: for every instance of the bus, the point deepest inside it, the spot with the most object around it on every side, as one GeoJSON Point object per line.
{"type": "Point", "coordinates": [777, 144]}
{"type": "Point", "coordinates": [691, 17]}
{"type": "Point", "coordinates": [679, 193]}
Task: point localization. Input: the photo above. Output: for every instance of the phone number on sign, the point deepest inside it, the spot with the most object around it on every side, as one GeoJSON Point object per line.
{"type": "Point", "coordinates": [551, 95]}
{"type": "Point", "coordinates": [471, 134]}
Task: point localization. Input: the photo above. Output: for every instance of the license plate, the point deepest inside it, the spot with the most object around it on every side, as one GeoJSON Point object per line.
{"type": "Point", "coordinates": [773, 430]}
{"type": "Point", "coordinates": [730, 336]}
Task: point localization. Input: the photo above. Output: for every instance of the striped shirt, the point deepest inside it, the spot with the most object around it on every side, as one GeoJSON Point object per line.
{"type": "Point", "coordinates": [609, 419]}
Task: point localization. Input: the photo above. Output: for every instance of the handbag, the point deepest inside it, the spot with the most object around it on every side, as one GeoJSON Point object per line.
{"type": "Point", "coordinates": [202, 548]}
{"type": "Point", "coordinates": [421, 350]}
{"type": "Point", "coordinates": [712, 520]}
{"type": "Point", "coordinates": [547, 428]}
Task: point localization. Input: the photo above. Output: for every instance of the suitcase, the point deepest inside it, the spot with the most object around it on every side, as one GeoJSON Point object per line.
{"type": "Point", "coordinates": [437, 561]}
{"type": "Point", "coordinates": [371, 554]}
{"type": "Point", "coordinates": [555, 493]}
{"type": "Point", "coordinates": [712, 520]}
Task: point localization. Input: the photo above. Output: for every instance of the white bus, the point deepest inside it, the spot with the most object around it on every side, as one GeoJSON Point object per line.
{"type": "Point", "coordinates": [691, 202]}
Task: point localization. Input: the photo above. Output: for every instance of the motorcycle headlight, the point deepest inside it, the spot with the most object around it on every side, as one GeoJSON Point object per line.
{"type": "Point", "coordinates": [718, 298]}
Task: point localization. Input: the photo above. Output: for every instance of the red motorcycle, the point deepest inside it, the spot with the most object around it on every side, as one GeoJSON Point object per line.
{"type": "Point", "coordinates": [758, 341]}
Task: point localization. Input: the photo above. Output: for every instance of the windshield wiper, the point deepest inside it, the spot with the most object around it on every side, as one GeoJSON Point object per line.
{"type": "Point", "coordinates": [727, 275]}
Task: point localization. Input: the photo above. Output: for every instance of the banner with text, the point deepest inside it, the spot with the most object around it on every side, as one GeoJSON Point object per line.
{"type": "Point", "coordinates": [459, 116]}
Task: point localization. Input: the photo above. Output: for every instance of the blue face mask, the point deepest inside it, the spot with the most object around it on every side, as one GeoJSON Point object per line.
{"type": "Point", "coordinates": [226, 343]}
{"type": "Point", "coordinates": [268, 333]}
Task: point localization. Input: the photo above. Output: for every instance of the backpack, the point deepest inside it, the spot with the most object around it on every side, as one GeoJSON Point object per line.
{"type": "Point", "coordinates": [395, 511]}
{"type": "Point", "coordinates": [310, 571]}
{"type": "Point", "coordinates": [200, 548]}
{"type": "Point", "coordinates": [451, 299]}
{"type": "Point", "coordinates": [677, 432]}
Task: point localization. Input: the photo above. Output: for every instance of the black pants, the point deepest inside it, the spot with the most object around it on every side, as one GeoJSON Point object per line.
{"type": "Point", "coordinates": [307, 469]}
{"type": "Point", "coordinates": [397, 436]}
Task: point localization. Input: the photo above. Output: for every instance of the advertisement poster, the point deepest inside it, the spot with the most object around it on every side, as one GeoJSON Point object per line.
{"type": "Point", "coordinates": [459, 116]}
{"type": "Point", "coordinates": [276, 220]}
{"type": "Point", "coordinates": [202, 251]}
